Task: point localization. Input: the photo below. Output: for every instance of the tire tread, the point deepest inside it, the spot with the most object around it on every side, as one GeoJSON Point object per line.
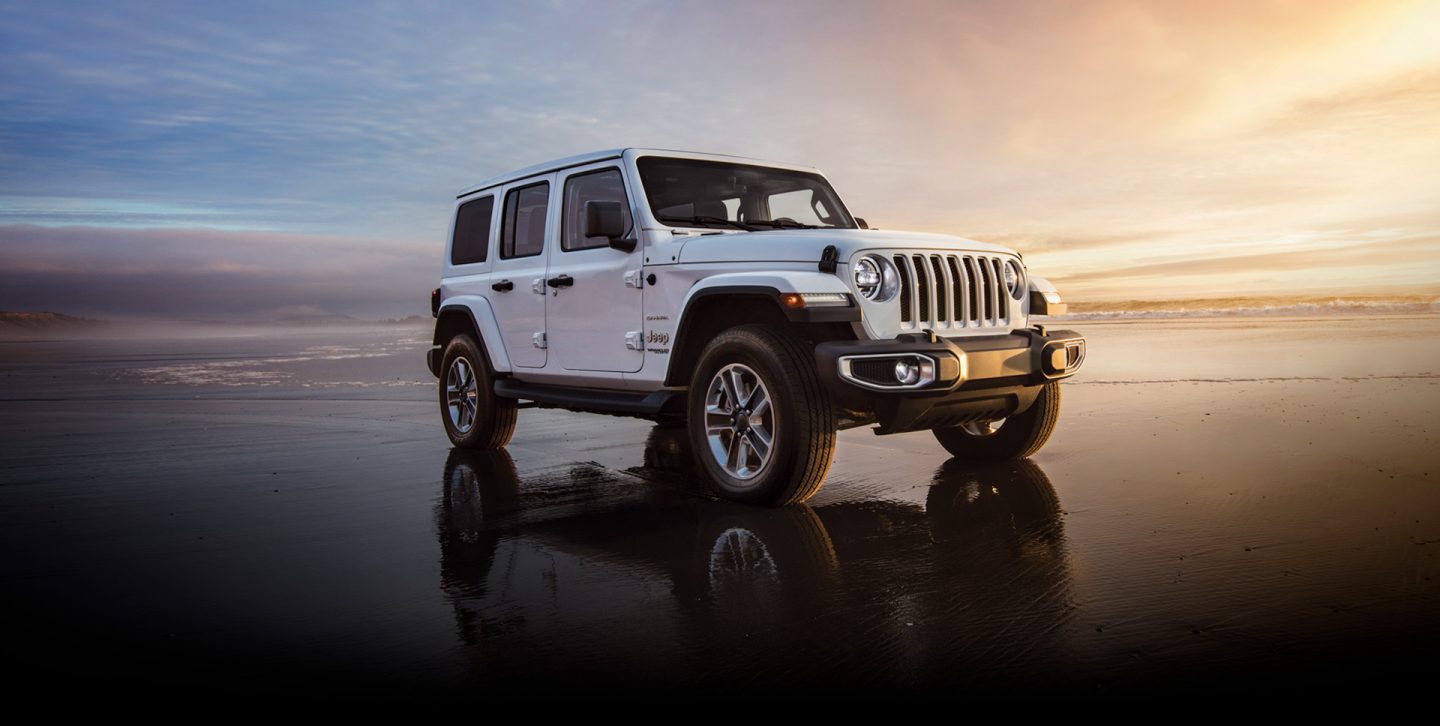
{"type": "Point", "coordinates": [497, 425]}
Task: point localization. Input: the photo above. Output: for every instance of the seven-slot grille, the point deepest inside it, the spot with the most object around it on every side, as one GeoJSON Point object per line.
{"type": "Point", "coordinates": [952, 291]}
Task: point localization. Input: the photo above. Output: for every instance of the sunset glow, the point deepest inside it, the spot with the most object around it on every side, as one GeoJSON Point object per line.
{"type": "Point", "coordinates": [1131, 150]}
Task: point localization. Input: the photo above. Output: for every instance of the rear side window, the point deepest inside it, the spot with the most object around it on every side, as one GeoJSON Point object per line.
{"type": "Point", "coordinates": [522, 234]}
{"type": "Point", "coordinates": [604, 186]}
{"type": "Point", "coordinates": [472, 231]}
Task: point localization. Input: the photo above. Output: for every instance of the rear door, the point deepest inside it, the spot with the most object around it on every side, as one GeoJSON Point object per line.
{"type": "Point", "coordinates": [517, 279]}
{"type": "Point", "coordinates": [595, 319]}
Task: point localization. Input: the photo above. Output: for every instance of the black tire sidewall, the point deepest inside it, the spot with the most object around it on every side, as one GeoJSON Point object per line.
{"type": "Point", "coordinates": [465, 346]}
{"type": "Point", "coordinates": [1017, 438]}
{"type": "Point", "coordinates": [744, 347]}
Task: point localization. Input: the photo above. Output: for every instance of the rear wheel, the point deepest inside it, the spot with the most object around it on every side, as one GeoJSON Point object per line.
{"type": "Point", "coordinates": [475, 418]}
{"type": "Point", "coordinates": [1015, 437]}
{"type": "Point", "coordinates": [762, 429]}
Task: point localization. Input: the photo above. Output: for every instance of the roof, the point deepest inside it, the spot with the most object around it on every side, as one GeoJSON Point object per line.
{"type": "Point", "coordinates": [568, 161]}
{"type": "Point", "coordinates": [604, 155]}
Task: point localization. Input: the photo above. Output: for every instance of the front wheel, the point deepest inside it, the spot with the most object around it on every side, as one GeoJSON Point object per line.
{"type": "Point", "coordinates": [761, 426]}
{"type": "Point", "coordinates": [1015, 437]}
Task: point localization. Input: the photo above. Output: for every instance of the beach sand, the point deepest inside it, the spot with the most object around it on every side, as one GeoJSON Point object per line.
{"type": "Point", "coordinates": [1240, 503]}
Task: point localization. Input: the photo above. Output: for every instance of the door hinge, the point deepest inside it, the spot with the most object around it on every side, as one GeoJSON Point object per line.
{"type": "Point", "coordinates": [537, 286]}
{"type": "Point", "coordinates": [539, 339]}
{"type": "Point", "coordinates": [633, 279]}
{"type": "Point", "coordinates": [635, 340]}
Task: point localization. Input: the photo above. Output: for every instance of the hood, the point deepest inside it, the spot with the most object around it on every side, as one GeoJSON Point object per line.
{"type": "Point", "coordinates": [805, 245]}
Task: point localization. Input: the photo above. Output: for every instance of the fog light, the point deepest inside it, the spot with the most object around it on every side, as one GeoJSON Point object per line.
{"type": "Point", "coordinates": [907, 373]}
{"type": "Point", "coordinates": [893, 372]}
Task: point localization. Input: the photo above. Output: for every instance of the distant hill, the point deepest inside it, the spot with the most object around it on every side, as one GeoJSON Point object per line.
{"type": "Point", "coordinates": [25, 323]}
{"type": "Point", "coordinates": [59, 326]}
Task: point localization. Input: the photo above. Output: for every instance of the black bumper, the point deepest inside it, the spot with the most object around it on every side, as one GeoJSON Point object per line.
{"type": "Point", "coordinates": [974, 379]}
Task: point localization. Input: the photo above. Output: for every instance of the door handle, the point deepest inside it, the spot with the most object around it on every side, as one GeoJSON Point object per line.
{"type": "Point", "coordinates": [503, 286]}
{"type": "Point", "coordinates": [561, 281]}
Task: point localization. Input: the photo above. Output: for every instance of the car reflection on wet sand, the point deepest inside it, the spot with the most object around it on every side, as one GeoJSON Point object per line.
{"type": "Point", "coordinates": [656, 585]}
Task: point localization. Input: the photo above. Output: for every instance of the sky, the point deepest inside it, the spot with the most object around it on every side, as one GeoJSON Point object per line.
{"type": "Point", "coordinates": [260, 159]}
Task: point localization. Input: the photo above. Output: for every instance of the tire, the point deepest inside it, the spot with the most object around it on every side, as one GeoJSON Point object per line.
{"type": "Point", "coordinates": [799, 418]}
{"type": "Point", "coordinates": [1020, 436]}
{"type": "Point", "coordinates": [491, 419]}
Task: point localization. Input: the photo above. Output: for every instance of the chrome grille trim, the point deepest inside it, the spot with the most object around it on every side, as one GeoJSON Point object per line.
{"type": "Point", "coordinates": [952, 291]}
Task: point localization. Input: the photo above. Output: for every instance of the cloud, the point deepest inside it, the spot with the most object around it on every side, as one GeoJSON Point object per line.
{"type": "Point", "coordinates": [1348, 256]}
{"type": "Point", "coordinates": [1093, 136]}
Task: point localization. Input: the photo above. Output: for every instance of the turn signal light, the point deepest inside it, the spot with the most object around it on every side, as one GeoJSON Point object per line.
{"type": "Point", "coordinates": [799, 300]}
{"type": "Point", "coordinates": [1057, 359]}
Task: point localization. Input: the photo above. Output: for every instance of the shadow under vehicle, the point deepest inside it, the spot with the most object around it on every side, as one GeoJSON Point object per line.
{"type": "Point", "coordinates": [577, 576]}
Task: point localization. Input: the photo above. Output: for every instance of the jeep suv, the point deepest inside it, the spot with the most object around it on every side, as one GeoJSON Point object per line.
{"type": "Point", "coordinates": [740, 297]}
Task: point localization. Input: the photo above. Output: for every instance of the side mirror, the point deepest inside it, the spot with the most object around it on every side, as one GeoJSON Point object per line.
{"type": "Point", "coordinates": [607, 219]}
{"type": "Point", "coordinates": [860, 222]}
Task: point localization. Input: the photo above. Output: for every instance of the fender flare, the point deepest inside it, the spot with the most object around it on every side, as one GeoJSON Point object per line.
{"type": "Point", "coordinates": [769, 286]}
{"type": "Point", "coordinates": [1044, 298]}
{"type": "Point", "coordinates": [482, 319]}
{"type": "Point", "coordinates": [773, 285]}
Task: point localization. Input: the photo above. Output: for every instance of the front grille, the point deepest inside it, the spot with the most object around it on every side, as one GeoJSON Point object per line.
{"type": "Point", "coordinates": [942, 292]}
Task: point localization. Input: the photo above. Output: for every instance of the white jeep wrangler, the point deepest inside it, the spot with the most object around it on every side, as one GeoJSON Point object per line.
{"type": "Point", "coordinates": [741, 297]}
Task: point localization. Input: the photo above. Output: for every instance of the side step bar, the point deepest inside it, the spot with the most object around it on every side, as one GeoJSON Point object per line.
{"type": "Point", "coordinates": [658, 404]}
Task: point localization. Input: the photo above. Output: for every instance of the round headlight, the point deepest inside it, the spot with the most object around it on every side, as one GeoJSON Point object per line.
{"type": "Point", "coordinates": [1013, 278]}
{"type": "Point", "coordinates": [876, 279]}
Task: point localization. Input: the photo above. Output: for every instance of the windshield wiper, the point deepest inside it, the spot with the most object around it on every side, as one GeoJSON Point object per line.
{"type": "Point", "coordinates": [783, 224]}
{"type": "Point", "coordinates": [709, 221]}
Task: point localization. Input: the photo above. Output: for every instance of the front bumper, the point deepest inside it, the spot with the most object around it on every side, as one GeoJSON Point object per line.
{"type": "Point", "coordinates": [956, 380]}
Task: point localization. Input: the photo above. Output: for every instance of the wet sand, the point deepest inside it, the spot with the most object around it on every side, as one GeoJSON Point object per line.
{"type": "Point", "coordinates": [1254, 507]}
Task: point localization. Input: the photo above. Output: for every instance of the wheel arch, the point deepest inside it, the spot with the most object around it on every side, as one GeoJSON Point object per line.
{"type": "Point", "coordinates": [710, 309]}
{"type": "Point", "coordinates": [472, 314]}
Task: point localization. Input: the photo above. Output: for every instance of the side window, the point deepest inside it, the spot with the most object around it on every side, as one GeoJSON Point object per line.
{"type": "Point", "coordinates": [522, 233]}
{"type": "Point", "coordinates": [605, 186]}
{"type": "Point", "coordinates": [472, 231]}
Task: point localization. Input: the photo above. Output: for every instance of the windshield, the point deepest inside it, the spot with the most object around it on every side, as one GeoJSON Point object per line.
{"type": "Point", "coordinates": [694, 193]}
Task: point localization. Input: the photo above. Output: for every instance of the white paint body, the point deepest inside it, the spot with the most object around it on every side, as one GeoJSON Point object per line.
{"type": "Point", "coordinates": [585, 326]}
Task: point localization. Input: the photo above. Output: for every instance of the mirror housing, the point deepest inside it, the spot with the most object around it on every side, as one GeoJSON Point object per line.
{"type": "Point", "coordinates": [607, 219]}
{"type": "Point", "coordinates": [860, 222]}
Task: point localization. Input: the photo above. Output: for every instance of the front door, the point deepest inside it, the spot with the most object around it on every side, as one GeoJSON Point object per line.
{"type": "Point", "coordinates": [595, 319]}
{"type": "Point", "coordinates": [517, 280]}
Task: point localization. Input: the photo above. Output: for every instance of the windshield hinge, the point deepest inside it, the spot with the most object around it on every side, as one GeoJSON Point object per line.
{"type": "Point", "coordinates": [829, 258]}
